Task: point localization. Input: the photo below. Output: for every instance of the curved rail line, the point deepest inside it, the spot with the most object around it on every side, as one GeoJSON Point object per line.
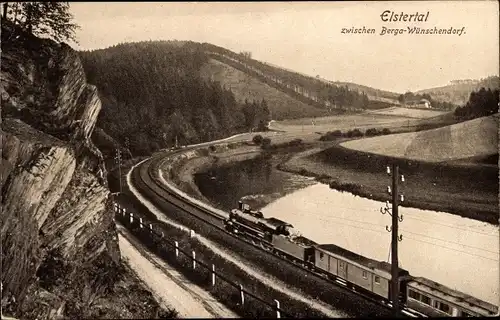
{"type": "Point", "coordinates": [148, 174]}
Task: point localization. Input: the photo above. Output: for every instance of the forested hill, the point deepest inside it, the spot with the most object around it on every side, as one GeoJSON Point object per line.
{"type": "Point", "coordinates": [152, 93]}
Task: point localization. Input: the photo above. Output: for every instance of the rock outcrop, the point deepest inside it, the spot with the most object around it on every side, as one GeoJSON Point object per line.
{"type": "Point", "coordinates": [57, 228]}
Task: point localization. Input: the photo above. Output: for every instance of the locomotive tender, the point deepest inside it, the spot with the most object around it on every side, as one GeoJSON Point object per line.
{"type": "Point", "coordinates": [364, 275]}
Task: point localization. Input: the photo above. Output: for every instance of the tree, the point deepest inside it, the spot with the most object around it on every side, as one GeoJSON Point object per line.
{"type": "Point", "coordinates": [52, 19]}
{"type": "Point", "coordinates": [266, 143]}
{"type": "Point", "coordinates": [257, 139]}
{"type": "Point", "coordinates": [481, 103]}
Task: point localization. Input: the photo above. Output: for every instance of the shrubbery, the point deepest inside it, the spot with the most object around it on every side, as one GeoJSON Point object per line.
{"type": "Point", "coordinates": [266, 143]}
{"type": "Point", "coordinates": [355, 133]}
{"type": "Point", "coordinates": [372, 132]}
{"type": "Point", "coordinates": [331, 135]}
{"type": "Point", "coordinates": [289, 144]}
{"type": "Point", "coordinates": [257, 139]}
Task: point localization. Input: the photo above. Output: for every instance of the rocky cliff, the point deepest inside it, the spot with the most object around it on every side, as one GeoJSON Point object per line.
{"type": "Point", "coordinates": [60, 255]}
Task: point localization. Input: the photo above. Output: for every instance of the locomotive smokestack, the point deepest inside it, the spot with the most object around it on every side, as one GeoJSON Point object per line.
{"type": "Point", "coordinates": [240, 205]}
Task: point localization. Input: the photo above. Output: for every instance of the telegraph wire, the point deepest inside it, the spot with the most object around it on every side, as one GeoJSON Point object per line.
{"type": "Point", "coordinates": [409, 216]}
{"type": "Point", "coordinates": [379, 225]}
{"type": "Point", "coordinates": [419, 240]}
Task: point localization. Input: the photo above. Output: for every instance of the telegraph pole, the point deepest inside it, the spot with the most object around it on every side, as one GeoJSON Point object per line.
{"type": "Point", "coordinates": [118, 159]}
{"type": "Point", "coordinates": [395, 237]}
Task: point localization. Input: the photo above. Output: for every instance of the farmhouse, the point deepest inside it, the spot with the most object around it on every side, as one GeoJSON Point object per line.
{"type": "Point", "coordinates": [421, 104]}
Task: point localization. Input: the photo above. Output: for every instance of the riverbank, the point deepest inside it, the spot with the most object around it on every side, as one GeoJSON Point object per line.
{"type": "Point", "coordinates": [181, 171]}
{"type": "Point", "coordinates": [465, 191]}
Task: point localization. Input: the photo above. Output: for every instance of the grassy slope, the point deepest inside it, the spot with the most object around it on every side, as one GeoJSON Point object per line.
{"type": "Point", "coordinates": [475, 138]}
{"type": "Point", "coordinates": [246, 87]}
{"type": "Point", "coordinates": [408, 112]}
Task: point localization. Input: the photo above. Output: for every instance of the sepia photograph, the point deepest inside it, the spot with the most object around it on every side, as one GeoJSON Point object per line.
{"type": "Point", "coordinates": [322, 159]}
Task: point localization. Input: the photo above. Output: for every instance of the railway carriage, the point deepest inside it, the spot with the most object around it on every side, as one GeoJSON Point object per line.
{"type": "Point", "coordinates": [359, 272]}
{"type": "Point", "coordinates": [434, 299]}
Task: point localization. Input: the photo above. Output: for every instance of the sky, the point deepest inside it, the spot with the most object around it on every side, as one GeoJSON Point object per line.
{"type": "Point", "coordinates": [306, 36]}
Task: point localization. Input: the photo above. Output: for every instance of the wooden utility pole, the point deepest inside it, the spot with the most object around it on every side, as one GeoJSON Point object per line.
{"type": "Point", "coordinates": [118, 159]}
{"type": "Point", "coordinates": [395, 237]}
{"type": "Point", "coordinates": [5, 7]}
{"type": "Point", "coordinates": [394, 241]}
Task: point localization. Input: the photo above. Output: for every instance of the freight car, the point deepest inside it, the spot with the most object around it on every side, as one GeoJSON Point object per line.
{"type": "Point", "coordinates": [361, 274]}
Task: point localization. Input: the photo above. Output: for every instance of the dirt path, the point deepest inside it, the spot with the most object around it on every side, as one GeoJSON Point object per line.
{"type": "Point", "coordinates": [168, 285]}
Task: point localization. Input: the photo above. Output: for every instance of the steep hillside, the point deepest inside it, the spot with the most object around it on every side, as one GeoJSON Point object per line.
{"type": "Point", "coordinates": [153, 95]}
{"type": "Point", "coordinates": [60, 256]}
{"type": "Point", "coordinates": [244, 86]}
{"type": "Point", "coordinates": [458, 92]}
{"type": "Point", "coordinates": [474, 139]}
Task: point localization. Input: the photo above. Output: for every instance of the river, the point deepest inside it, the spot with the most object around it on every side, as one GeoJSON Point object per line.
{"type": "Point", "coordinates": [458, 252]}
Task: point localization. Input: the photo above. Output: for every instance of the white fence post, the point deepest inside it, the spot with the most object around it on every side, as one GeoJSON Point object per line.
{"type": "Point", "coordinates": [140, 223]}
{"type": "Point", "coordinates": [194, 260]}
{"type": "Point", "coordinates": [176, 249]}
{"type": "Point", "coordinates": [151, 227]}
{"type": "Point", "coordinates": [131, 217]}
{"type": "Point", "coordinates": [278, 314]}
{"type": "Point", "coordinates": [123, 211]}
{"type": "Point", "coordinates": [213, 275]}
{"type": "Point", "coordinates": [162, 235]}
{"type": "Point", "coordinates": [242, 296]}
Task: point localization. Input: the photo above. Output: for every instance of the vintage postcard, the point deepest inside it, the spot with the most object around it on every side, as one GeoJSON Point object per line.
{"type": "Point", "coordinates": [250, 159]}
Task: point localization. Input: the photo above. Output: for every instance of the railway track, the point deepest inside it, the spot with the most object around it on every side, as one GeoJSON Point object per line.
{"type": "Point", "coordinates": [148, 176]}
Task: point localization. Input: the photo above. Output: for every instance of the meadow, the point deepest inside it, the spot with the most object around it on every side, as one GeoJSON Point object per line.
{"type": "Point", "coordinates": [467, 140]}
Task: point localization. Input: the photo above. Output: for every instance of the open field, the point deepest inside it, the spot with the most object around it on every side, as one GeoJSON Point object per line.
{"type": "Point", "coordinates": [362, 121]}
{"type": "Point", "coordinates": [409, 112]}
{"type": "Point", "coordinates": [470, 139]}
{"type": "Point", "coordinates": [247, 87]}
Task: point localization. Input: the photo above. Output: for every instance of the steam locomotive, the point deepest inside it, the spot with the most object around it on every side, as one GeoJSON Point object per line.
{"type": "Point", "coordinates": [364, 275]}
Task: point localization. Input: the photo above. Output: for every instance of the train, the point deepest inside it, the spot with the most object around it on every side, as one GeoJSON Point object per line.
{"type": "Point", "coordinates": [361, 274]}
